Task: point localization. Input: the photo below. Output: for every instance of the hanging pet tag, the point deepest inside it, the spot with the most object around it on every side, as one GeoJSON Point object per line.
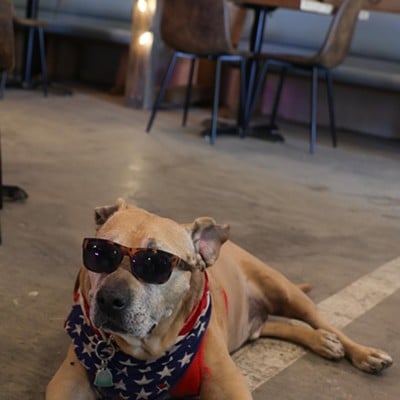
{"type": "Point", "coordinates": [103, 378]}
{"type": "Point", "coordinates": [104, 351]}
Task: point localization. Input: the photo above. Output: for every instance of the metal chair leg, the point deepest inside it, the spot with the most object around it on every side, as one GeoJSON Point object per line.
{"type": "Point", "coordinates": [161, 93]}
{"type": "Point", "coordinates": [28, 67]}
{"type": "Point", "coordinates": [314, 102]}
{"type": "Point", "coordinates": [3, 83]}
{"type": "Point", "coordinates": [329, 87]}
{"type": "Point", "coordinates": [1, 178]}
{"type": "Point", "coordinates": [1, 184]}
{"type": "Point", "coordinates": [251, 100]}
{"type": "Point", "coordinates": [43, 59]}
{"type": "Point", "coordinates": [277, 99]}
{"type": "Point", "coordinates": [242, 120]}
{"type": "Point", "coordinates": [217, 84]}
{"type": "Point", "coordinates": [251, 72]}
{"type": "Point", "coordinates": [188, 91]}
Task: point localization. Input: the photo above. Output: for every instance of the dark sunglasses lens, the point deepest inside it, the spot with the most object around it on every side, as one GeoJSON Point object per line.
{"type": "Point", "coordinates": [152, 267]}
{"type": "Point", "coordinates": [102, 257]}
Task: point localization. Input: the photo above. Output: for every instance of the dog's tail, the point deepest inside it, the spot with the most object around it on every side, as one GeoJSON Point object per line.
{"type": "Point", "coordinates": [305, 287]}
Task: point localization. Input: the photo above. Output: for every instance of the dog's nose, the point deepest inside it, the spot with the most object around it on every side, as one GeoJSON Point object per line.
{"type": "Point", "coordinates": [111, 300]}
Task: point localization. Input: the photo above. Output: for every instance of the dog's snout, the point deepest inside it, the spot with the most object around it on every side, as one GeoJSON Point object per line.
{"type": "Point", "coordinates": [110, 300]}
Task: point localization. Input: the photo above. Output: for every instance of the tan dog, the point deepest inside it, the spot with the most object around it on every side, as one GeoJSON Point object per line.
{"type": "Point", "coordinates": [138, 320]}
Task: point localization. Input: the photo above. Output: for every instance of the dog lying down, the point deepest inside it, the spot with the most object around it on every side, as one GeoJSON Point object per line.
{"type": "Point", "coordinates": [159, 307]}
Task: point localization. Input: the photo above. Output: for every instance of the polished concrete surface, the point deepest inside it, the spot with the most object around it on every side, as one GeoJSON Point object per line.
{"type": "Point", "coordinates": [329, 219]}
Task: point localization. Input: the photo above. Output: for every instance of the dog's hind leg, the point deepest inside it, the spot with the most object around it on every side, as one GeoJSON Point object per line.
{"type": "Point", "coordinates": [305, 287]}
{"type": "Point", "coordinates": [322, 342]}
{"type": "Point", "coordinates": [283, 298]}
{"type": "Point", "coordinates": [295, 304]}
{"type": "Point", "coordinates": [366, 358]}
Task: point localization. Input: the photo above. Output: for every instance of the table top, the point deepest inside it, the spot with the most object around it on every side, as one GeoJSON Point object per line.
{"type": "Point", "coordinates": [371, 5]}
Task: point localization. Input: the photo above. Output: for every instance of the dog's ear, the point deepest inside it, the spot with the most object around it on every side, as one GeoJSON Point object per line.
{"type": "Point", "coordinates": [208, 237]}
{"type": "Point", "coordinates": [101, 214]}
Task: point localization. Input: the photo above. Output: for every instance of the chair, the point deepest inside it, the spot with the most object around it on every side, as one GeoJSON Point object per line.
{"type": "Point", "coordinates": [198, 29]}
{"type": "Point", "coordinates": [33, 26]}
{"type": "Point", "coordinates": [332, 53]}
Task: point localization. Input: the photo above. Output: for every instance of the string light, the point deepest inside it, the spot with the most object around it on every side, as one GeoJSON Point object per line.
{"type": "Point", "coordinates": [146, 39]}
{"type": "Point", "coordinates": [142, 5]}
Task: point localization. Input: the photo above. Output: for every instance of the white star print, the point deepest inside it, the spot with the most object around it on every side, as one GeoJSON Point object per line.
{"type": "Point", "coordinates": [144, 381]}
{"type": "Point", "coordinates": [120, 385]}
{"type": "Point", "coordinates": [144, 370]}
{"type": "Point", "coordinates": [186, 359]}
{"type": "Point", "coordinates": [128, 363]}
{"type": "Point", "coordinates": [169, 361]}
{"type": "Point", "coordinates": [165, 372]}
{"type": "Point", "coordinates": [176, 347]}
{"type": "Point", "coordinates": [98, 366]}
{"type": "Point", "coordinates": [123, 371]}
{"type": "Point", "coordinates": [201, 329]}
{"type": "Point", "coordinates": [143, 395]}
{"type": "Point", "coordinates": [124, 397]}
{"type": "Point", "coordinates": [78, 329]}
{"type": "Point", "coordinates": [87, 348]}
{"type": "Point", "coordinates": [83, 364]}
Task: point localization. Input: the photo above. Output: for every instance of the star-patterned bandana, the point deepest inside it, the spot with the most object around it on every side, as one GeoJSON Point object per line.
{"type": "Point", "coordinates": [133, 378]}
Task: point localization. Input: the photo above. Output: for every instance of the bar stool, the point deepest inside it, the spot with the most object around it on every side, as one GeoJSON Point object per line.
{"type": "Point", "coordinates": [34, 26]}
{"type": "Point", "coordinates": [3, 80]}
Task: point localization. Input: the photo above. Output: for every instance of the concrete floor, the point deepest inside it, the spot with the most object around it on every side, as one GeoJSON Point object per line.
{"type": "Point", "coordinates": [329, 219]}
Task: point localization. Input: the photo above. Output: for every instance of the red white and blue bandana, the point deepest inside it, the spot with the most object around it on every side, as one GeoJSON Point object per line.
{"type": "Point", "coordinates": [134, 379]}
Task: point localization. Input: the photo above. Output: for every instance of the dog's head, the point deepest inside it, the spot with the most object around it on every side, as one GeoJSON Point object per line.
{"type": "Point", "coordinates": [123, 304]}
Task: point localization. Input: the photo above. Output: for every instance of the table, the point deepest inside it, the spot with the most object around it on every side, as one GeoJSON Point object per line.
{"type": "Point", "coordinates": [369, 5]}
{"type": "Point", "coordinates": [391, 6]}
{"type": "Point", "coordinates": [263, 7]}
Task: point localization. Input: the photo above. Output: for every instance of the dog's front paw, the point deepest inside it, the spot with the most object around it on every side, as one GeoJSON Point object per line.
{"type": "Point", "coordinates": [372, 360]}
{"type": "Point", "coordinates": [328, 345]}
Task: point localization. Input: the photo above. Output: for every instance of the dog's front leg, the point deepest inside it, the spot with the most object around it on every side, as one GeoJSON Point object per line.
{"type": "Point", "coordinates": [223, 380]}
{"type": "Point", "coordinates": [70, 381]}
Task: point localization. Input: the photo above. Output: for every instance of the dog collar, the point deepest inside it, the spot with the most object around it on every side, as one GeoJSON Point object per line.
{"type": "Point", "coordinates": [131, 378]}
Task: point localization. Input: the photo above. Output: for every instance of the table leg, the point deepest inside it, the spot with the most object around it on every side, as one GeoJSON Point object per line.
{"type": "Point", "coordinates": [267, 132]}
{"type": "Point", "coordinates": [32, 8]}
{"type": "Point", "coordinates": [256, 39]}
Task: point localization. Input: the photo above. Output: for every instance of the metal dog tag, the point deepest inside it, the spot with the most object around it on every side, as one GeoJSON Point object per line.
{"type": "Point", "coordinates": [105, 351]}
{"type": "Point", "coordinates": [103, 378]}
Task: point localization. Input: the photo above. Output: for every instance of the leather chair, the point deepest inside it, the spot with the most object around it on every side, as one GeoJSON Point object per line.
{"type": "Point", "coordinates": [198, 29]}
{"type": "Point", "coordinates": [331, 54]}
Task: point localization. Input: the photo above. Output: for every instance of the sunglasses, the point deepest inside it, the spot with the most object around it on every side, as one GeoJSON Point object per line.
{"type": "Point", "coordinates": [147, 265]}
